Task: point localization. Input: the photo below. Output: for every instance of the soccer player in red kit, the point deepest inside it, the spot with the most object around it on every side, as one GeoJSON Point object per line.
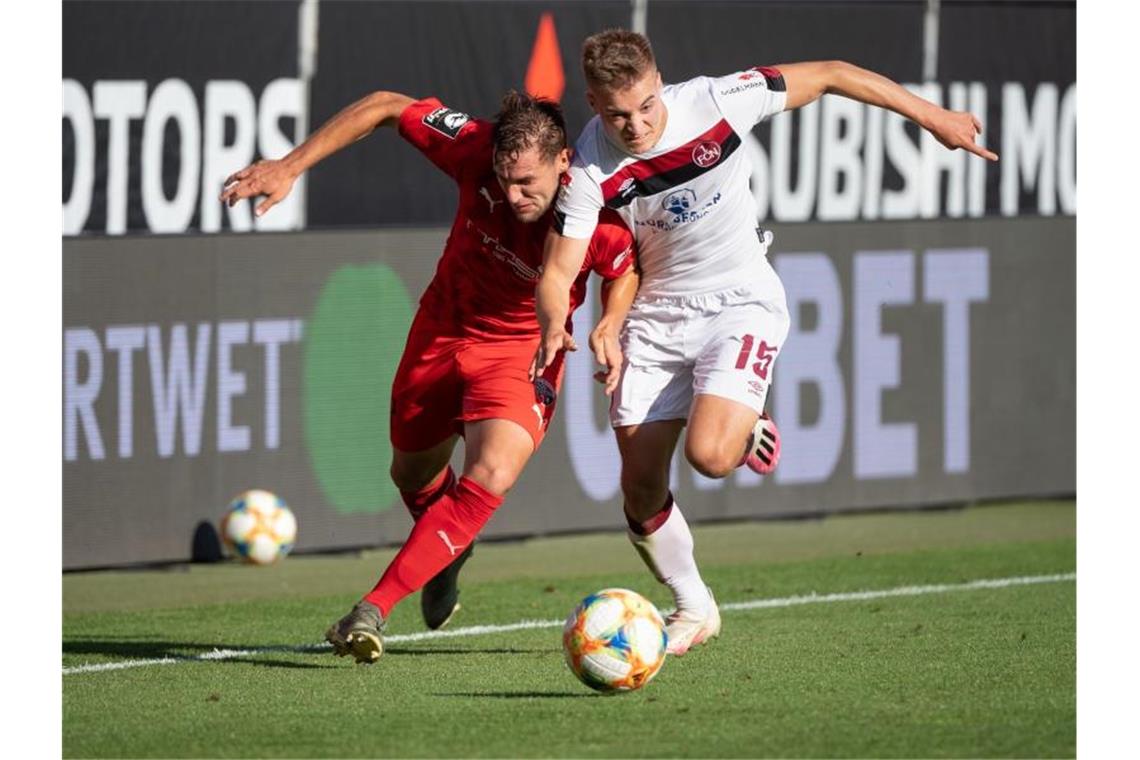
{"type": "Point", "coordinates": [465, 368]}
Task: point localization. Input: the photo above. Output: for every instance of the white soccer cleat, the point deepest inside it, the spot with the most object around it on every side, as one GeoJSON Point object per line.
{"type": "Point", "coordinates": [687, 628]}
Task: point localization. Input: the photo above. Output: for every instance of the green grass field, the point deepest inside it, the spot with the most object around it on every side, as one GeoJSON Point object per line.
{"type": "Point", "coordinates": [951, 672]}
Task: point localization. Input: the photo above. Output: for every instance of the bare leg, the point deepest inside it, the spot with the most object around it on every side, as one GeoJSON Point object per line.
{"type": "Point", "coordinates": [719, 430]}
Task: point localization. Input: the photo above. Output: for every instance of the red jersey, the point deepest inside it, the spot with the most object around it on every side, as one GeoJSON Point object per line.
{"type": "Point", "coordinates": [484, 284]}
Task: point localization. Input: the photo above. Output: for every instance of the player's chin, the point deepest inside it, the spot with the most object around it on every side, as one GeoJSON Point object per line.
{"type": "Point", "coordinates": [527, 214]}
{"type": "Point", "coordinates": [636, 144]}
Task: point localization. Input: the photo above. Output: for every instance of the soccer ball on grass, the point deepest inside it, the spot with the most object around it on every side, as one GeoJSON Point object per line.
{"type": "Point", "coordinates": [259, 527]}
{"type": "Point", "coordinates": [614, 640]}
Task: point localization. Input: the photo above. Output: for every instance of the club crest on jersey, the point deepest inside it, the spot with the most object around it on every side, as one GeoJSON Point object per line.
{"type": "Point", "coordinates": [706, 154]}
{"type": "Point", "coordinates": [446, 121]}
{"type": "Point", "coordinates": [679, 202]}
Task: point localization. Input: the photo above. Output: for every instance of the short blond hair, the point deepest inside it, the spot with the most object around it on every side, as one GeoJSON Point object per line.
{"type": "Point", "coordinates": [616, 58]}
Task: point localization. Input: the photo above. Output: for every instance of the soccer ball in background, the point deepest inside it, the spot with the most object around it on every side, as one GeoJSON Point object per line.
{"type": "Point", "coordinates": [614, 640]}
{"type": "Point", "coordinates": [259, 527]}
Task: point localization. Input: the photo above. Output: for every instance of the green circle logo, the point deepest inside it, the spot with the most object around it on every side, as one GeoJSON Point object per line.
{"type": "Point", "coordinates": [353, 344]}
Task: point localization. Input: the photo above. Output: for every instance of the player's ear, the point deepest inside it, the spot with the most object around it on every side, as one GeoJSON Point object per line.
{"type": "Point", "coordinates": [563, 160]}
{"type": "Point", "coordinates": [590, 99]}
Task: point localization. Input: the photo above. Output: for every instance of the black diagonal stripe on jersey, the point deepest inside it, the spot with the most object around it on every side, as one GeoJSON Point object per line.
{"type": "Point", "coordinates": [659, 183]}
{"type": "Point", "coordinates": [773, 77]}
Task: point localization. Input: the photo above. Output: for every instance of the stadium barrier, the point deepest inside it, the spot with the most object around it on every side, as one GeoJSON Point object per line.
{"type": "Point", "coordinates": [932, 354]}
{"type": "Point", "coordinates": [928, 363]}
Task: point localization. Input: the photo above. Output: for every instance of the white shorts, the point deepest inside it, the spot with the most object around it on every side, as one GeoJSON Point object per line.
{"type": "Point", "coordinates": [719, 344]}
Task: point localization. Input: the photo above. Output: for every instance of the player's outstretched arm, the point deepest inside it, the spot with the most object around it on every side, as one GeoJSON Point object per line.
{"type": "Point", "coordinates": [274, 178]}
{"type": "Point", "coordinates": [562, 261]}
{"type": "Point", "coordinates": [617, 297]}
{"type": "Point", "coordinates": [806, 82]}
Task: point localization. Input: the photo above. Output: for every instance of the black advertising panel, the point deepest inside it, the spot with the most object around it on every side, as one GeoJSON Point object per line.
{"type": "Point", "coordinates": [1021, 61]}
{"type": "Point", "coordinates": [468, 54]}
{"type": "Point", "coordinates": [163, 100]}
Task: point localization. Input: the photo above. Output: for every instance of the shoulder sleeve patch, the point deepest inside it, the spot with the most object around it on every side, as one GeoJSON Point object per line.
{"type": "Point", "coordinates": [446, 121]}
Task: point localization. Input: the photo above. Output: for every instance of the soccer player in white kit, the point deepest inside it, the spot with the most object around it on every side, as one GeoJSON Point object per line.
{"type": "Point", "coordinates": [710, 317]}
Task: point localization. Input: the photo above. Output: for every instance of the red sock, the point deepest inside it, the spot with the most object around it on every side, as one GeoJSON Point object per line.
{"type": "Point", "coordinates": [417, 502]}
{"type": "Point", "coordinates": [437, 538]}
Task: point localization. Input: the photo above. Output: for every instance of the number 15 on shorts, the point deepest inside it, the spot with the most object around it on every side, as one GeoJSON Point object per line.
{"type": "Point", "coordinates": [764, 356]}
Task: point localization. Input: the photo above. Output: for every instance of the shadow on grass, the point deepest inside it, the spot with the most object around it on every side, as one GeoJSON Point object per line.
{"type": "Point", "coordinates": [473, 650]}
{"type": "Point", "coordinates": [126, 647]}
{"type": "Point", "coordinates": [192, 651]}
{"type": "Point", "coordinates": [283, 664]}
{"type": "Point", "coordinates": [517, 695]}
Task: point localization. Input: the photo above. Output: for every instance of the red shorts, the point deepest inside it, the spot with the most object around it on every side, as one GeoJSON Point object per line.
{"type": "Point", "coordinates": [444, 381]}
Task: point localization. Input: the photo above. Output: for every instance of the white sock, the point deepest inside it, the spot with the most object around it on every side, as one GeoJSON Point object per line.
{"type": "Point", "coordinates": [668, 552]}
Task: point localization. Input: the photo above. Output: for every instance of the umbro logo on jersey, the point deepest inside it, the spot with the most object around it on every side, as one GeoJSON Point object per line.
{"type": "Point", "coordinates": [446, 121]}
{"type": "Point", "coordinates": [706, 154]}
{"type": "Point", "coordinates": [486, 194]}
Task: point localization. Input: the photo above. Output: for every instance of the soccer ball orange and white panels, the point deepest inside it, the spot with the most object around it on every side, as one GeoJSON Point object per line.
{"type": "Point", "coordinates": [614, 640]}
{"type": "Point", "coordinates": [259, 527]}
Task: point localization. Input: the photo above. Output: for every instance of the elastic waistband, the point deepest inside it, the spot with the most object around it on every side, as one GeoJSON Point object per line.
{"type": "Point", "coordinates": [730, 296]}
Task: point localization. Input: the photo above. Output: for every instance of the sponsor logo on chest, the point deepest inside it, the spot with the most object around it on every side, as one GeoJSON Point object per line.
{"type": "Point", "coordinates": [679, 208]}
{"type": "Point", "coordinates": [490, 245]}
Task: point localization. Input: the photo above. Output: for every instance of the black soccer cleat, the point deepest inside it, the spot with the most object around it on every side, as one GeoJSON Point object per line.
{"type": "Point", "coordinates": [440, 597]}
{"type": "Point", "coordinates": [360, 633]}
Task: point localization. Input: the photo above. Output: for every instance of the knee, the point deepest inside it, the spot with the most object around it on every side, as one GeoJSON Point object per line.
{"type": "Point", "coordinates": [644, 493]}
{"type": "Point", "coordinates": [496, 478]}
{"type": "Point", "coordinates": [712, 458]}
{"type": "Point", "coordinates": [411, 476]}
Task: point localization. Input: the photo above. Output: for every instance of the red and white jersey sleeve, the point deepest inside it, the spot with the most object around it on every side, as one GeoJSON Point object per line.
{"type": "Point", "coordinates": [612, 252]}
{"type": "Point", "coordinates": [449, 138]}
{"type": "Point", "coordinates": [579, 201]}
{"type": "Point", "coordinates": [748, 97]}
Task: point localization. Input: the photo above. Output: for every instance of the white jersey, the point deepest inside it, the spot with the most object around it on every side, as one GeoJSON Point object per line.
{"type": "Point", "coordinates": [687, 200]}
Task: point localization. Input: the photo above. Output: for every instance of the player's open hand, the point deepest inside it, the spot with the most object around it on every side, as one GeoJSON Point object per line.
{"type": "Point", "coordinates": [553, 341]}
{"type": "Point", "coordinates": [264, 178]}
{"type": "Point", "coordinates": [959, 129]}
{"type": "Point", "coordinates": [607, 352]}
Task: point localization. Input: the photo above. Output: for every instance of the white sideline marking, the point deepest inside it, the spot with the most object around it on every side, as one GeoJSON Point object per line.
{"type": "Point", "coordinates": [522, 625]}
